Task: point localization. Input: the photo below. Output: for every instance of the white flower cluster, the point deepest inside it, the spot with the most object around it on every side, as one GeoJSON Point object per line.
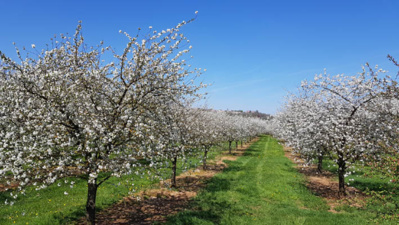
{"type": "Point", "coordinates": [66, 113]}
{"type": "Point", "coordinates": [344, 117]}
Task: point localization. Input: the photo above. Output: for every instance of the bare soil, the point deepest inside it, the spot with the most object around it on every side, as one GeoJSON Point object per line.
{"type": "Point", "coordinates": [154, 205]}
{"type": "Point", "coordinates": [325, 184]}
{"type": "Point", "coordinates": [5, 187]}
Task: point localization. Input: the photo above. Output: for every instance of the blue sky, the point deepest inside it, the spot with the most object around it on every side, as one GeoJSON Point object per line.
{"type": "Point", "coordinates": [254, 51]}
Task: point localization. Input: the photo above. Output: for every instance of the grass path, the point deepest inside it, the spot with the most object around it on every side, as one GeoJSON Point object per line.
{"type": "Point", "coordinates": [262, 187]}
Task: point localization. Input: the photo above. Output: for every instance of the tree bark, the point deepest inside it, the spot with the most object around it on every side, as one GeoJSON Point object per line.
{"type": "Point", "coordinates": [230, 147]}
{"type": "Point", "coordinates": [236, 144]}
{"type": "Point", "coordinates": [174, 162]}
{"type": "Point", "coordinates": [91, 202]}
{"type": "Point", "coordinates": [241, 143]}
{"type": "Point", "coordinates": [341, 174]}
{"type": "Point", "coordinates": [320, 163]}
{"type": "Point", "coordinates": [204, 161]}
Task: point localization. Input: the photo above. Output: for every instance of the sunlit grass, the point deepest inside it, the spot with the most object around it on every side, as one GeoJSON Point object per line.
{"type": "Point", "coordinates": [63, 204]}
{"type": "Point", "coordinates": [382, 195]}
{"type": "Point", "coordinates": [262, 187]}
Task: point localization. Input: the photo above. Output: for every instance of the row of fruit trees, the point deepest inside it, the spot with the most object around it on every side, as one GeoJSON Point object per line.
{"type": "Point", "coordinates": [349, 119]}
{"type": "Point", "coordinates": [72, 110]}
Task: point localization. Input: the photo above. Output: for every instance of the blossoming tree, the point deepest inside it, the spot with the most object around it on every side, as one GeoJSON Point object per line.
{"type": "Point", "coordinates": [64, 111]}
{"type": "Point", "coordinates": [333, 113]}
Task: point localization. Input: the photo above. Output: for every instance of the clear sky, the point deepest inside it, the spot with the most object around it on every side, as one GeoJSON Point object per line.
{"type": "Point", "coordinates": [254, 51]}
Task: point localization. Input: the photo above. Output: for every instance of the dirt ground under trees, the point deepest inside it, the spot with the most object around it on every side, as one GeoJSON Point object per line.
{"type": "Point", "coordinates": [325, 184]}
{"type": "Point", "coordinates": [154, 205]}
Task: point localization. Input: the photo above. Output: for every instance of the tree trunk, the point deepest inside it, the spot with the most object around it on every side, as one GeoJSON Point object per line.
{"type": "Point", "coordinates": [320, 163]}
{"type": "Point", "coordinates": [241, 143]}
{"type": "Point", "coordinates": [236, 144]}
{"type": "Point", "coordinates": [91, 202]}
{"type": "Point", "coordinates": [204, 161]}
{"type": "Point", "coordinates": [174, 162]}
{"type": "Point", "coordinates": [230, 147]}
{"type": "Point", "coordinates": [341, 174]}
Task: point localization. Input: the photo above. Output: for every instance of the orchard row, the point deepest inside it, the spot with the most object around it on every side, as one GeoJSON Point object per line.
{"type": "Point", "coordinates": [349, 119]}
{"type": "Point", "coordinates": [74, 110]}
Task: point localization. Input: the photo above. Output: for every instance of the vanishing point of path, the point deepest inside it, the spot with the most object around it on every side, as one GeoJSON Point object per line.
{"type": "Point", "coordinates": [262, 187]}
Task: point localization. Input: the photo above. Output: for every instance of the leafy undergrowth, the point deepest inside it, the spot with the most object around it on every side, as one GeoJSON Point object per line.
{"type": "Point", "coordinates": [263, 187]}
{"type": "Point", "coordinates": [60, 204]}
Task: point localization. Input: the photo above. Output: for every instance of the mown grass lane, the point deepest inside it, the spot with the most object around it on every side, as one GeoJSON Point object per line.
{"type": "Point", "coordinates": [262, 187]}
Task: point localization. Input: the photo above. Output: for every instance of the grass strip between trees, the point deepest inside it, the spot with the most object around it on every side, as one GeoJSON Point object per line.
{"type": "Point", "coordinates": [263, 187]}
{"type": "Point", "coordinates": [62, 204]}
{"type": "Point", "coordinates": [260, 187]}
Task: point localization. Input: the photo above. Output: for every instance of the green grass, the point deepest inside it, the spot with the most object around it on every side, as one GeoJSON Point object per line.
{"type": "Point", "coordinates": [262, 187]}
{"type": "Point", "coordinates": [51, 206]}
{"type": "Point", "coordinates": [377, 182]}
{"type": "Point", "coordinates": [383, 197]}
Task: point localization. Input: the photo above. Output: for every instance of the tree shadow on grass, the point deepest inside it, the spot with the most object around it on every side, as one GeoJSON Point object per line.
{"type": "Point", "coordinates": [218, 184]}
{"type": "Point", "coordinates": [234, 166]}
{"type": "Point", "coordinates": [207, 210]}
{"type": "Point", "coordinates": [69, 217]}
{"type": "Point", "coordinates": [373, 185]}
{"type": "Point", "coordinates": [194, 217]}
{"type": "Point", "coordinates": [198, 216]}
{"type": "Point", "coordinates": [251, 152]}
{"type": "Point", "coordinates": [5, 195]}
{"type": "Point", "coordinates": [209, 206]}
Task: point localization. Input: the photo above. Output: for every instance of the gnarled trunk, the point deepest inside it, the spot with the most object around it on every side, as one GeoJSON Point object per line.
{"type": "Point", "coordinates": [320, 163]}
{"type": "Point", "coordinates": [173, 180]}
{"type": "Point", "coordinates": [204, 161]}
{"type": "Point", "coordinates": [91, 202]}
{"type": "Point", "coordinates": [341, 174]}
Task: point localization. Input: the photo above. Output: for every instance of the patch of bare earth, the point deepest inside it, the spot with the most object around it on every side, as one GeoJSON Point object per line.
{"type": "Point", "coordinates": [324, 184]}
{"type": "Point", "coordinates": [154, 205]}
{"type": "Point", "coordinates": [5, 187]}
